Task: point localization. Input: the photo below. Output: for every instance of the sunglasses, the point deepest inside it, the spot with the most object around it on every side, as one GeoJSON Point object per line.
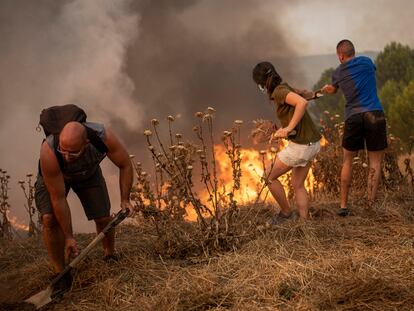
{"type": "Point", "coordinates": [70, 153]}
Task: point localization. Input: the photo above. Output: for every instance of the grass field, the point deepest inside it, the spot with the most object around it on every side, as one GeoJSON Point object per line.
{"type": "Point", "coordinates": [232, 259]}
{"type": "Point", "coordinates": [362, 262]}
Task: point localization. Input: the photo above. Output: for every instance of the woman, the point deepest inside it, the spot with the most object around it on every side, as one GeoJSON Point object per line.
{"type": "Point", "coordinates": [303, 136]}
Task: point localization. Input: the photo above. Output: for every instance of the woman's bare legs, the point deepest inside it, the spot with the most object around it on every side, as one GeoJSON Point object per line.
{"type": "Point", "coordinates": [276, 188]}
{"type": "Point", "coordinates": [301, 195]}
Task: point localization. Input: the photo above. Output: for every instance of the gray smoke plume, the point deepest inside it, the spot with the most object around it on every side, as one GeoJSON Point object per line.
{"type": "Point", "coordinates": [195, 54]}
{"type": "Point", "coordinates": [56, 52]}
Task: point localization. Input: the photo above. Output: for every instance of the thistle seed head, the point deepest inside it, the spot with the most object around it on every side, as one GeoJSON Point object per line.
{"type": "Point", "coordinates": [211, 110]}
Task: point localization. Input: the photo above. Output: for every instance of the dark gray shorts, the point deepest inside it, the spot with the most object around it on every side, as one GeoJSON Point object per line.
{"type": "Point", "coordinates": [365, 129]}
{"type": "Point", "coordinates": [92, 193]}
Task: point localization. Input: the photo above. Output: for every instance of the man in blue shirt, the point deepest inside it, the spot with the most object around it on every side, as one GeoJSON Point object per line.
{"type": "Point", "coordinates": [364, 118]}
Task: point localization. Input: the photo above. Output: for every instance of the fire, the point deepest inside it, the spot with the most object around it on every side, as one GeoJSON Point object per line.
{"type": "Point", "coordinates": [191, 214]}
{"type": "Point", "coordinates": [323, 141]}
{"type": "Point", "coordinates": [13, 221]}
{"type": "Point", "coordinates": [252, 173]}
{"type": "Point", "coordinates": [255, 165]}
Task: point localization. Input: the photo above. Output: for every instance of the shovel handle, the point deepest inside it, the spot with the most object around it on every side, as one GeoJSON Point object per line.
{"type": "Point", "coordinates": [119, 217]}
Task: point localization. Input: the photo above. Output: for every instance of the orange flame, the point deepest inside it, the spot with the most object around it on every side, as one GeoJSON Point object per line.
{"type": "Point", "coordinates": [252, 173]}
{"type": "Point", "coordinates": [13, 221]}
{"type": "Point", "coordinates": [323, 141]}
{"type": "Point", "coordinates": [251, 182]}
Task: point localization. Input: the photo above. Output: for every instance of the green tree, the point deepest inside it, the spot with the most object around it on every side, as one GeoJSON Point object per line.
{"type": "Point", "coordinates": [333, 103]}
{"type": "Point", "coordinates": [401, 114]}
{"type": "Point", "coordinates": [395, 62]}
{"type": "Point", "coordinates": [389, 92]}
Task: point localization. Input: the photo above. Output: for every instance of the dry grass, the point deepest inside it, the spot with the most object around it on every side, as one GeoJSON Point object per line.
{"type": "Point", "coordinates": [363, 262]}
{"type": "Point", "coordinates": [184, 169]}
{"type": "Point", "coordinates": [231, 259]}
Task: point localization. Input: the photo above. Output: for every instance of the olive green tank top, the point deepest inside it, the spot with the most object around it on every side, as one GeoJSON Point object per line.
{"type": "Point", "coordinates": [306, 130]}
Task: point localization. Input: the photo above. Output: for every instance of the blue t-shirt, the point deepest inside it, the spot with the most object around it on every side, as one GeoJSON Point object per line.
{"type": "Point", "coordinates": [356, 79]}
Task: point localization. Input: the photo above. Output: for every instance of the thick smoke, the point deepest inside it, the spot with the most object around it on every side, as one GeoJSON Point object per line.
{"type": "Point", "coordinates": [126, 62]}
{"type": "Point", "coordinates": [55, 52]}
{"type": "Point", "coordinates": [195, 54]}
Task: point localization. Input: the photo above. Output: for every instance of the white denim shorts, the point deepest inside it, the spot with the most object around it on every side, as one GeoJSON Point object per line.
{"type": "Point", "coordinates": [299, 155]}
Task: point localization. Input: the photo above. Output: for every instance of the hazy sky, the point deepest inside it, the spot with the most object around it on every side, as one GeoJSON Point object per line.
{"type": "Point", "coordinates": [317, 25]}
{"type": "Point", "coordinates": [129, 61]}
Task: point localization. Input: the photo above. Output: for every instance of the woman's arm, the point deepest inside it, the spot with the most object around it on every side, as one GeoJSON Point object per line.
{"type": "Point", "coordinates": [300, 105]}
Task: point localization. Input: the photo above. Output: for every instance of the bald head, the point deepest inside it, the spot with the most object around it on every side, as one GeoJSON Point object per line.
{"type": "Point", "coordinates": [73, 136]}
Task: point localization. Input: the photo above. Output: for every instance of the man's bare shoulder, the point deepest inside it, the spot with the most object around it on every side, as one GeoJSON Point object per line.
{"type": "Point", "coordinates": [48, 161]}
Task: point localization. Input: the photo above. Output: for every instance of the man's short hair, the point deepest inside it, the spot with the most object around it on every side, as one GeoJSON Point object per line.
{"type": "Point", "coordinates": [346, 47]}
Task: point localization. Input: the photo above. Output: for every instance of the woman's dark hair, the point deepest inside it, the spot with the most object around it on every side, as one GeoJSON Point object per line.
{"type": "Point", "coordinates": [265, 75]}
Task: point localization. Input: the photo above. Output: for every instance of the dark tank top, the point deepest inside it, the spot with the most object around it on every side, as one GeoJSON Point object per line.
{"type": "Point", "coordinates": [86, 165]}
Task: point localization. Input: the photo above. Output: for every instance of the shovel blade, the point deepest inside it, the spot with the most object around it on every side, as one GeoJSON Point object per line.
{"type": "Point", "coordinates": [42, 298]}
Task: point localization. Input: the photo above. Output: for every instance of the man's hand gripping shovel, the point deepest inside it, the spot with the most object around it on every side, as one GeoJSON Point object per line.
{"type": "Point", "coordinates": [44, 297]}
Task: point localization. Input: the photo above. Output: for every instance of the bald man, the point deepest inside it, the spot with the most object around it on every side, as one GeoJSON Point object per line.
{"type": "Point", "coordinates": [78, 169]}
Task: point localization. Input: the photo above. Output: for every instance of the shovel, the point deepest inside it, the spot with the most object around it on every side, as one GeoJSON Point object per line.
{"type": "Point", "coordinates": [44, 297]}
